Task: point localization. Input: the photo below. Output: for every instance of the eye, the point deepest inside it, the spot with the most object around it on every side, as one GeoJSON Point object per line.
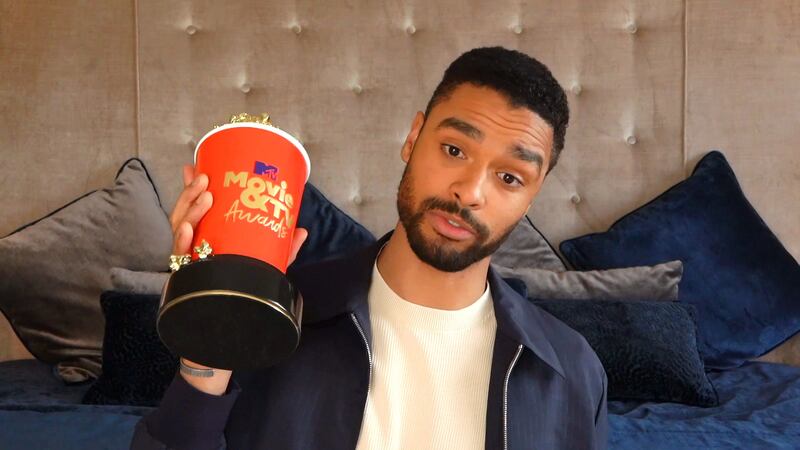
{"type": "Point", "coordinates": [509, 179]}
{"type": "Point", "coordinates": [453, 151]}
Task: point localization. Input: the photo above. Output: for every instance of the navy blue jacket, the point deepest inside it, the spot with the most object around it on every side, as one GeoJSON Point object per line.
{"type": "Point", "coordinates": [547, 388]}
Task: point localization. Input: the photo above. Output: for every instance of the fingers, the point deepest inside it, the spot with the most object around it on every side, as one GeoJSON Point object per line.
{"type": "Point", "coordinates": [184, 232]}
{"type": "Point", "coordinates": [198, 208]}
{"type": "Point", "coordinates": [182, 242]}
{"type": "Point", "coordinates": [188, 174]}
{"type": "Point", "coordinates": [193, 203]}
{"type": "Point", "coordinates": [188, 196]}
{"type": "Point", "coordinates": [300, 236]}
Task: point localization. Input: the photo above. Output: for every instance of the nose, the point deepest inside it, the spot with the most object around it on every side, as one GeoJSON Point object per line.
{"type": "Point", "coordinates": [469, 189]}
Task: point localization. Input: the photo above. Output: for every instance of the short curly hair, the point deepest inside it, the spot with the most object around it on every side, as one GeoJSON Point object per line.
{"type": "Point", "coordinates": [525, 81]}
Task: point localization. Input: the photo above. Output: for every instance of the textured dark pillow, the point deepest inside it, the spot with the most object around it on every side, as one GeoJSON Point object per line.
{"type": "Point", "coordinates": [737, 274]}
{"type": "Point", "coordinates": [648, 349]}
{"type": "Point", "coordinates": [53, 270]}
{"type": "Point", "coordinates": [137, 367]}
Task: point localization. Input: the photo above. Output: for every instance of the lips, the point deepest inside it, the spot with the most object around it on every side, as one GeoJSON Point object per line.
{"type": "Point", "coordinates": [458, 222]}
{"type": "Point", "coordinates": [442, 225]}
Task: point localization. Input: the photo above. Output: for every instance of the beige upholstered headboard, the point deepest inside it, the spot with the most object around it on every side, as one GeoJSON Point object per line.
{"type": "Point", "coordinates": [652, 85]}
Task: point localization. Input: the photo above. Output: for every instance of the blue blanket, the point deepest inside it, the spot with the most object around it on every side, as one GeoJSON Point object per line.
{"type": "Point", "coordinates": [38, 411]}
{"type": "Point", "coordinates": [759, 408]}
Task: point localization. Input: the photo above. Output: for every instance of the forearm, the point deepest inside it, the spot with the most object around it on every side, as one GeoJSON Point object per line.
{"type": "Point", "coordinates": [187, 418]}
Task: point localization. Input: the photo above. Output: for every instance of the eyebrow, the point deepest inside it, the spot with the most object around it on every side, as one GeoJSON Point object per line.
{"type": "Point", "coordinates": [516, 150]}
{"type": "Point", "coordinates": [527, 155]}
{"type": "Point", "coordinates": [463, 127]}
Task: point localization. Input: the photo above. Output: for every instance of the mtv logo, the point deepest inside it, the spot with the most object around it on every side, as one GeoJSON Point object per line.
{"type": "Point", "coordinates": [265, 169]}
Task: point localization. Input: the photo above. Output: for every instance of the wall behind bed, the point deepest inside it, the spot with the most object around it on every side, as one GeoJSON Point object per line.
{"type": "Point", "coordinates": [652, 86]}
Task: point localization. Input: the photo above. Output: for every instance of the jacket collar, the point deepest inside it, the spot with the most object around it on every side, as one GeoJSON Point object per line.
{"type": "Point", "coordinates": [340, 286]}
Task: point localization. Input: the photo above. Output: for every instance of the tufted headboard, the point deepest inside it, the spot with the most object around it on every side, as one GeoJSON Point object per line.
{"type": "Point", "coordinates": [652, 86]}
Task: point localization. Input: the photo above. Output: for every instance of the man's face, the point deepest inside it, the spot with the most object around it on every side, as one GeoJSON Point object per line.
{"type": "Point", "coordinates": [472, 172]}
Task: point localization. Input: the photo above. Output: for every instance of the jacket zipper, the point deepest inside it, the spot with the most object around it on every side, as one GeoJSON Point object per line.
{"type": "Point", "coordinates": [505, 397]}
{"type": "Point", "coordinates": [369, 353]}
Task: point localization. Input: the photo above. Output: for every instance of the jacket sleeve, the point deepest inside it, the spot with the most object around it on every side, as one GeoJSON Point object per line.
{"type": "Point", "coordinates": [187, 418]}
{"type": "Point", "coordinates": [601, 418]}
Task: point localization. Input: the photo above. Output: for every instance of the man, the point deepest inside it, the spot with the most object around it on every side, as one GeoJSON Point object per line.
{"type": "Point", "coordinates": [415, 342]}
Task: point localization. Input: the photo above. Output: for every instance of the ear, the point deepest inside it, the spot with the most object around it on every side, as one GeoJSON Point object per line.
{"type": "Point", "coordinates": [413, 135]}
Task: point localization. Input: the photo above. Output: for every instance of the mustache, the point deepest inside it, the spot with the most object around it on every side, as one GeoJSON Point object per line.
{"type": "Point", "coordinates": [433, 203]}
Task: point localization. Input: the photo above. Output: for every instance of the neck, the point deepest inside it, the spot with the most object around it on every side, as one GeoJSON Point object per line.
{"type": "Point", "coordinates": [417, 282]}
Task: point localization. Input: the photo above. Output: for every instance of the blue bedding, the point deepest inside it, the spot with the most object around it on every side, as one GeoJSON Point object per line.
{"type": "Point", "coordinates": [38, 411]}
{"type": "Point", "coordinates": [759, 409]}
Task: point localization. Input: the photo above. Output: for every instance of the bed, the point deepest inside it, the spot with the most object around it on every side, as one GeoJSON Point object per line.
{"type": "Point", "coordinates": [642, 304]}
{"type": "Point", "coordinates": [759, 409]}
{"type": "Point", "coordinates": [37, 410]}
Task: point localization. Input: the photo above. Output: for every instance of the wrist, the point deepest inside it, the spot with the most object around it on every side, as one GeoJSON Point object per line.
{"type": "Point", "coordinates": [195, 370]}
{"type": "Point", "coordinates": [194, 364]}
{"type": "Point", "coordinates": [216, 384]}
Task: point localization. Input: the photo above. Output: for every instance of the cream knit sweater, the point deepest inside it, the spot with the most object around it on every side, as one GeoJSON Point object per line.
{"type": "Point", "coordinates": [430, 374]}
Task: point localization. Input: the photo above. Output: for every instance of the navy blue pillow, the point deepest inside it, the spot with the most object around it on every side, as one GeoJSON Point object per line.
{"type": "Point", "coordinates": [331, 232]}
{"type": "Point", "coordinates": [648, 348]}
{"type": "Point", "coordinates": [737, 274]}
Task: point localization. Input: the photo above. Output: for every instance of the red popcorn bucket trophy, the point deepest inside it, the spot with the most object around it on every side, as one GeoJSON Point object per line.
{"type": "Point", "coordinates": [231, 305]}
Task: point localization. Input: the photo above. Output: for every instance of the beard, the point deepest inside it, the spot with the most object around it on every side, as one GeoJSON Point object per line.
{"type": "Point", "coordinates": [439, 253]}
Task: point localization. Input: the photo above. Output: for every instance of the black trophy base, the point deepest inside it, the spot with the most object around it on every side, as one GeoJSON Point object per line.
{"type": "Point", "coordinates": [230, 312]}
